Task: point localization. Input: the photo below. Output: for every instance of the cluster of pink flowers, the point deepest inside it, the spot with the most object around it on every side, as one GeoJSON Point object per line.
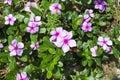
{"type": "Point", "coordinates": [100, 4]}
{"type": "Point", "coordinates": [8, 2]}
{"type": "Point", "coordinates": [33, 25]}
{"type": "Point", "coordinates": [62, 38]}
{"type": "Point", "coordinates": [86, 25]}
{"type": "Point", "coordinates": [16, 48]}
{"type": "Point", "coordinates": [30, 4]}
{"type": "Point", "coordinates": [105, 43]}
{"type": "Point", "coordinates": [10, 19]}
{"type": "Point", "coordinates": [22, 76]}
{"type": "Point", "coordinates": [55, 8]}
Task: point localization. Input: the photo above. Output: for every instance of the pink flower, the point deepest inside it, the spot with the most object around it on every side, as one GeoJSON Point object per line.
{"type": "Point", "coordinates": [58, 32]}
{"type": "Point", "coordinates": [55, 8]}
{"type": "Point", "coordinates": [32, 28]}
{"type": "Point", "coordinates": [108, 49]}
{"type": "Point", "coordinates": [90, 12]}
{"type": "Point", "coordinates": [93, 50]}
{"type": "Point", "coordinates": [66, 42]}
{"type": "Point", "coordinates": [22, 76]}
{"type": "Point", "coordinates": [35, 20]}
{"type": "Point", "coordinates": [86, 27]}
{"type": "Point", "coordinates": [100, 4]}
{"type": "Point", "coordinates": [9, 19]}
{"type": "Point", "coordinates": [104, 42]}
{"type": "Point", "coordinates": [8, 1]}
{"type": "Point", "coordinates": [34, 46]}
{"type": "Point", "coordinates": [16, 48]}
{"type": "Point", "coordinates": [119, 38]}
{"type": "Point", "coordinates": [1, 45]}
{"type": "Point", "coordinates": [30, 4]}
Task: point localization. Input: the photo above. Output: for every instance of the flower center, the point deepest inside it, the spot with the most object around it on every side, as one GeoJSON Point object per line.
{"type": "Point", "coordinates": [66, 41]}
{"type": "Point", "coordinates": [9, 19]}
{"type": "Point", "coordinates": [21, 79]}
{"type": "Point", "coordinates": [15, 48]}
{"type": "Point", "coordinates": [57, 34]}
{"type": "Point", "coordinates": [104, 42]}
{"type": "Point", "coordinates": [87, 27]}
{"type": "Point", "coordinates": [56, 7]}
{"type": "Point", "coordinates": [32, 28]}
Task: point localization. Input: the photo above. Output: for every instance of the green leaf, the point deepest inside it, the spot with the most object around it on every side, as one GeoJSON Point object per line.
{"type": "Point", "coordinates": [57, 74]}
{"type": "Point", "coordinates": [29, 68]}
{"type": "Point", "coordinates": [12, 65]}
{"type": "Point", "coordinates": [115, 52]}
{"type": "Point", "coordinates": [42, 30]}
{"type": "Point", "coordinates": [49, 74]}
{"type": "Point", "coordinates": [84, 62]}
{"type": "Point", "coordinates": [101, 23]}
{"type": "Point", "coordinates": [35, 11]}
{"type": "Point", "coordinates": [19, 17]}
{"type": "Point", "coordinates": [34, 38]}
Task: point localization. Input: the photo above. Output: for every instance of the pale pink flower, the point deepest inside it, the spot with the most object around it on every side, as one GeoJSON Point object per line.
{"type": "Point", "coordinates": [94, 50]}
{"type": "Point", "coordinates": [63, 0]}
{"type": "Point", "coordinates": [35, 20]}
{"type": "Point", "coordinates": [1, 45]}
{"type": "Point", "coordinates": [10, 19]}
{"type": "Point", "coordinates": [55, 8]}
{"type": "Point", "coordinates": [30, 4]}
{"type": "Point", "coordinates": [35, 45]}
{"type": "Point", "coordinates": [119, 38]}
{"type": "Point", "coordinates": [58, 32]}
{"type": "Point", "coordinates": [16, 48]}
{"type": "Point", "coordinates": [8, 2]}
{"type": "Point", "coordinates": [32, 28]}
{"type": "Point", "coordinates": [66, 42]}
{"type": "Point", "coordinates": [22, 76]}
{"type": "Point", "coordinates": [108, 49]}
{"type": "Point", "coordinates": [86, 27]}
{"type": "Point", "coordinates": [104, 42]}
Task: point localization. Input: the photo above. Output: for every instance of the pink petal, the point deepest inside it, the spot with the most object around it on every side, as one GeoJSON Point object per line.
{"type": "Point", "coordinates": [20, 45]}
{"type": "Point", "coordinates": [104, 46]}
{"type": "Point", "coordinates": [52, 38]}
{"type": "Point", "coordinates": [119, 38]}
{"type": "Point", "coordinates": [100, 38]}
{"type": "Point", "coordinates": [11, 48]}
{"type": "Point", "coordinates": [14, 42]}
{"type": "Point", "coordinates": [52, 32]}
{"type": "Point", "coordinates": [72, 43]}
{"type": "Point", "coordinates": [13, 53]}
{"type": "Point", "coordinates": [109, 42]}
{"type": "Point", "coordinates": [58, 44]}
{"type": "Point", "coordinates": [19, 52]}
{"type": "Point", "coordinates": [11, 22]}
{"type": "Point", "coordinates": [65, 48]}
{"type": "Point", "coordinates": [6, 22]}
{"type": "Point", "coordinates": [37, 18]}
{"type": "Point", "coordinates": [100, 43]}
{"type": "Point", "coordinates": [23, 74]}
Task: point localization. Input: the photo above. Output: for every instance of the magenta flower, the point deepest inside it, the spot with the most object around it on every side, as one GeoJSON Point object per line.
{"type": "Point", "coordinates": [58, 32]}
{"type": "Point", "coordinates": [36, 20]}
{"type": "Point", "coordinates": [34, 46]}
{"type": "Point", "coordinates": [9, 19]}
{"type": "Point", "coordinates": [1, 45]}
{"type": "Point", "coordinates": [86, 27]}
{"type": "Point", "coordinates": [8, 2]}
{"type": "Point", "coordinates": [30, 4]}
{"type": "Point", "coordinates": [55, 8]}
{"type": "Point", "coordinates": [94, 50]}
{"type": "Point", "coordinates": [66, 42]}
{"type": "Point", "coordinates": [104, 42]}
{"type": "Point", "coordinates": [32, 28]}
{"type": "Point", "coordinates": [22, 76]}
{"type": "Point", "coordinates": [16, 48]}
{"type": "Point", "coordinates": [100, 4]}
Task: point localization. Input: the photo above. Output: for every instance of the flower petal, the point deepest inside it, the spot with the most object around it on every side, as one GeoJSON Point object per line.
{"type": "Point", "coordinates": [65, 48]}
{"type": "Point", "coordinates": [13, 53]}
{"type": "Point", "coordinates": [72, 43]}
{"type": "Point", "coordinates": [20, 45]}
{"type": "Point", "coordinates": [100, 38]}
